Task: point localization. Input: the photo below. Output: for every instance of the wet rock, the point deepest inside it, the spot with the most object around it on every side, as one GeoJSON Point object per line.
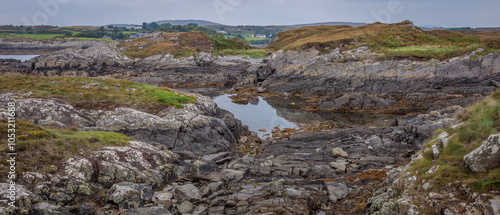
{"type": "Point", "coordinates": [187, 192]}
{"type": "Point", "coordinates": [486, 156]}
{"type": "Point", "coordinates": [185, 207]}
{"type": "Point", "coordinates": [336, 191]}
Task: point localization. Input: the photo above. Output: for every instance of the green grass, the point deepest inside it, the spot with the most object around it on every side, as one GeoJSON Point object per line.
{"type": "Point", "coordinates": [481, 120]}
{"type": "Point", "coordinates": [112, 93]}
{"type": "Point", "coordinates": [254, 39]}
{"type": "Point", "coordinates": [42, 149]}
{"type": "Point", "coordinates": [86, 38]}
{"type": "Point", "coordinates": [40, 36]}
{"type": "Point", "coordinates": [253, 53]}
{"type": "Point", "coordinates": [429, 52]}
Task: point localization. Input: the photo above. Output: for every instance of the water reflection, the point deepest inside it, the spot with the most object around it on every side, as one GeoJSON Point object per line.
{"type": "Point", "coordinates": [259, 116]}
{"type": "Point", "coordinates": [19, 57]}
{"type": "Point", "coordinates": [262, 115]}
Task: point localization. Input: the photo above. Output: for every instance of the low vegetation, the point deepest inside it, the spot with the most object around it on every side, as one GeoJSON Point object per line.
{"type": "Point", "coordinates": [95, 93]}
{"type": "Point", "coordinates": [400, 40]}
{"type": "Point", "coordinates": [480, 121]}
{"type": "Point", "coordinates": [43, 149]}
{"type": "Point", "coordinates": [180, 45]}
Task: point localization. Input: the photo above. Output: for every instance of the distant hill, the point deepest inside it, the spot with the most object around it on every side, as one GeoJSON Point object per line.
{"type": "Point", "coordinates": [185, 22]}
{"type": "Point", "coordinates": [352, 24]}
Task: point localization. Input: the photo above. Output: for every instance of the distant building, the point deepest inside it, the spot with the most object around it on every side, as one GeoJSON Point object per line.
{"type": "Point", "coordinates": [134, 27]}
{"type": "Point", "coordinates": [260, 35]}
{"type": "Point", "coordinates": [138, 35]}
{"type": "Point", "coordinates": [107, 37]}
{"type": "Point", "coordinates": [221, 32]}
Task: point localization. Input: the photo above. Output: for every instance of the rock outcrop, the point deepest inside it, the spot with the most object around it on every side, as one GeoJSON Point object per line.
{"type": "Point", "coordinates": [193, 128]}
{"type": "Point", "coordinates": [356, 80]}
{"type": "Point", "coordinates": [485, 157]}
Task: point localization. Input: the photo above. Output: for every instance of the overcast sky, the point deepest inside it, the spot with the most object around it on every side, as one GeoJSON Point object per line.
{"type": "Point", "coordinates": [446, 13]}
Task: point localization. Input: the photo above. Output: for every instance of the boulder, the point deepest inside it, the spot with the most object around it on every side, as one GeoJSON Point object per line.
{"type": "Point", "coordinates": [140, 162]}
{"type": "Point", "coordinates": [185, 207]}
{"type": "Point", "coordinates": [336, 191]}
{"type": "Point", "coordinates": [486, 156]}
{"type": "Point", "coordinates": [187, 192]}
{"type": "Point", "coordinates": [128, 195]}
{"type": "Point", "coordinates": [338, 152]}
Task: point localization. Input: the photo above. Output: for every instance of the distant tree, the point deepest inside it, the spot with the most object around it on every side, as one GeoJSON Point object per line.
{"type": "Point", "coordinates": [68, 34]}
{"type": "Point", "coordinates": [240, 36]}
{"type": "Point", "coordinates": [144, 26]}
{"type": "Point", "coordinates": [111, 26]}
{"type": "Point", "coordinates": [193, 24]}
{"type": "Point", "coordinates": [165, 26]}
{"type": "Point", "coordinates": [154, 26]}
{"type": "Point", "coordinates": [221, 28]}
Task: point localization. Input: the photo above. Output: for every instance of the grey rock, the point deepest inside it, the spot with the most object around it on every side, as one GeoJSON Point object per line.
{"type": "Point", "coordinates": [205, 171]}
{"type": "Point", "coordinates": [164, 196]}
{"type": "Point", "coordinates": [185, 207]}
{"type": "Point", "coordinates": [187, 192]}
{"type": "Point", "coordinates": [336, 191]}
{"type": "Point", "coordinates": [147, 211]}
{"type": "Point", "coordinates": [486, 156]}
{"type": "Point", "coordinates": [129, 195]}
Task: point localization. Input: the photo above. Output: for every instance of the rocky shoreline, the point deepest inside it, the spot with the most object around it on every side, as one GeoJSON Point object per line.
{"type": "Point", "coordinates": [188, 161]}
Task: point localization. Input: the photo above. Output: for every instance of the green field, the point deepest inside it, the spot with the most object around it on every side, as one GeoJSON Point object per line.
{"type": "Point", "coordinates": [39, 36]}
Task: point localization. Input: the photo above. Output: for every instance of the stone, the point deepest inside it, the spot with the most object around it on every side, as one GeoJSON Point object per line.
{"type": "Point", "coordinates": [338, 152]}
{"type": "Point", "coordinates": [215, 157]}
{"type": "Point", "coordinates": [435, 152]}
{"type": "Point", "coordinates": [434, 195]}
{"type": "Point", "coordinates": [261, 90]}
{"type": "Point", "coordinates": [187, 192]}
{"type": "Point", "coordinates": [44, 208]}
{"type": "Point", "coordinates": [185, 207]}
{"type": "Point", "coordinates": [128, 195]}
{"type": "Point", "coordinates": [234, 175]}
{"type": "Point", "coordinates": [336, 191]}
{"type": "Point", "coordinates": [147, 211]}
{"type": "Point", "coordinates": [205, 171]}
{"type": "Point", "coordinates": [486, 156]}
{"type": "Point", "coordinates": [426, 186]}
{"type": "Point", "coordinates": [494, 205]}
{"type": "Point", "coordinates": [432, 170]}
{"type": "Point", "coordinates": [164, 196]}
{"type": "Point", "coordinates": [340, 166]}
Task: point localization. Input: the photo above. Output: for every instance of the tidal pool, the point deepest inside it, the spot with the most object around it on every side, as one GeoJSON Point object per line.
{"type": "Point", "coordinates": [19, 57]}
{"type": "Point", "coordinates": [262, 115]}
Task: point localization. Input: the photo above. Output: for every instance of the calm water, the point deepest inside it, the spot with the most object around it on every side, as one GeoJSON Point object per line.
{"type": "Point", "coordinates": [19, 57]}
{"type": "Point", "coordinates": [266, 114]}
{"type": "Point", "coordinates": [258, 117]}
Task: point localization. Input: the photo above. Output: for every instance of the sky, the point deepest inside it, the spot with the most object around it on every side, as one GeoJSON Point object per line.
{"type": "Point", "coordinates": [444, 13]}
